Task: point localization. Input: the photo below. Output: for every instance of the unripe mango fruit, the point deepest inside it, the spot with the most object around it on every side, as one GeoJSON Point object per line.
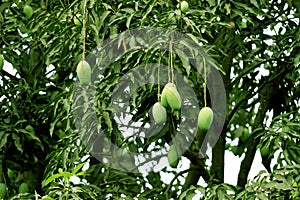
{"type": "Point", "coordinates": [3, 190]}
{"type": "Point", "coordinates": [231, 25]}
{"type": "Point", "coordinates": [184, 6]}
{"type": "Point", "coordinates": [163, 98]}
{"type": "Point", "coordinates": [245, 135]}
{"type": "Point", "coordinates": [205, 118]}
{"type": "Point", "coordinates": [159, 113]}
{"type": "Point", "coordinates": [84, 72]}
{"type": "Point", "coordinates": [264, 151]}
{"type": "Point", "coordinates": [23, 188]}
{"type": "Point", "coordinates": [170, 97]}
{"type": "Point", "coordinates": [173, 157]}
{"type": "Point", "coordinates": [28, 11]}
{"type": "Point", "coordinates": [29, 128]}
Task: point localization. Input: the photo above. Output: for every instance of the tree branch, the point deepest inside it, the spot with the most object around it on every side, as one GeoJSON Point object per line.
{"type": "Point", "coordinates": [266, 94]}
{"type": "Point", "coordinates": [198, 163]}
{"type": "Point", "coordinates": [176, 176]}
{"type": "Point", "coordinates": [218, 158]}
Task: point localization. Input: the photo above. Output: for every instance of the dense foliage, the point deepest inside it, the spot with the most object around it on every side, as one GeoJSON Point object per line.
{"type": "Point", "coordinates": [255, 45]}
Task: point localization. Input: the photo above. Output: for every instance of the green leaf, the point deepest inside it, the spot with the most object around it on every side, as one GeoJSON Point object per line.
{"type": "Point", "coordinates": [185, 61]}
{"type": "Point", "coordinates": [188, 194]}
{"type": "Point", "coordinates": [227, 8]}
{"type": "Point", "coordinates": [103, 17]}
{"type": "Point", "coordinates": [195, 39]}
{"type": "Point", "coordinates": [47, 198]}
{"type": "Point", "coordinates": [129, 20]}
{"type": "Point", "coordinates": [14, 107]}
{"type": "Point", "coordinates": [80, 174]}
{"type": "Point", "coordinates": [107, 120]}
{"type": "Point", "coordinates": [78, 168]}
{"type": "Point", "coordinates": [246, 7]}
{"type": "Point", "coordinates": [30, 135]}
{"type": "Point", "coordinates": [55, 176]}
{"type": "Point", "coordinates": [17, 142]}
{"type": "Point", "coordinates": [128, 10]}
{"type": "Point", "coordinates": [254, 2]}
{"type": "Point", "coordinates": [3, 138]}
{"type": "Point", "coordinates": [297, 59]}
{"type": "Point", "coordinates": [212, 3]}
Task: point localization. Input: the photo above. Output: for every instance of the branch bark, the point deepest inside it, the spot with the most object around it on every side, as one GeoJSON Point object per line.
{"type": "Point", "coordinates": [198, 165]}
{"type": "Point", "coordinates": [218, 156]}
{"type": "Point", "coordinates": [252, 144]}
{"type": "Point", "coordinates": [218, 159]}
{"type": "Point", "coordinates": [197, 162]}
{"type": "Point", "coordinates": [265, 98]}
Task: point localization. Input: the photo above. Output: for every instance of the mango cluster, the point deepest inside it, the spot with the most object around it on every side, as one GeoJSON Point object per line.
{"type": "Point", "coordinates": [170, 98]}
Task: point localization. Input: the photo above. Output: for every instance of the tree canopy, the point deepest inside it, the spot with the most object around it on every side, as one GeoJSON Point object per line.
{"type": "Point", "coordinates": [252, 46]}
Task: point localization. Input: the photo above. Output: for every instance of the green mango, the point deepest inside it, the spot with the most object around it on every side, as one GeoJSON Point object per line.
{"type": "Point", "coordinates": [28, 11]}
{"type": "Point", "coordinates": [174, 99]}
{"type": "Point", "coordinates": [10, 174]}
{"type": "Point", "coordinates": [264, 151]}
{"type": "Point", "coordinates": [184, 6]}
{"type": "Point", "coordinates": [163, 98]}
{"type": "Point", "coordinates": [23, 188]}
{"type": "Point", "coordinates": [173, 157]}
{"type": "Point", "coordinates": [159, 113]}
{"type": "Point", "coordinates": [245, 135]}
{"type": "Point", "coordinates": [170, 97]}
{"type": "Point", "coordinates": [84, 72]}
{"type": "Point", "coordinates": [205, 118]}
{"type": "Point", "coordinates": [231, 25]}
